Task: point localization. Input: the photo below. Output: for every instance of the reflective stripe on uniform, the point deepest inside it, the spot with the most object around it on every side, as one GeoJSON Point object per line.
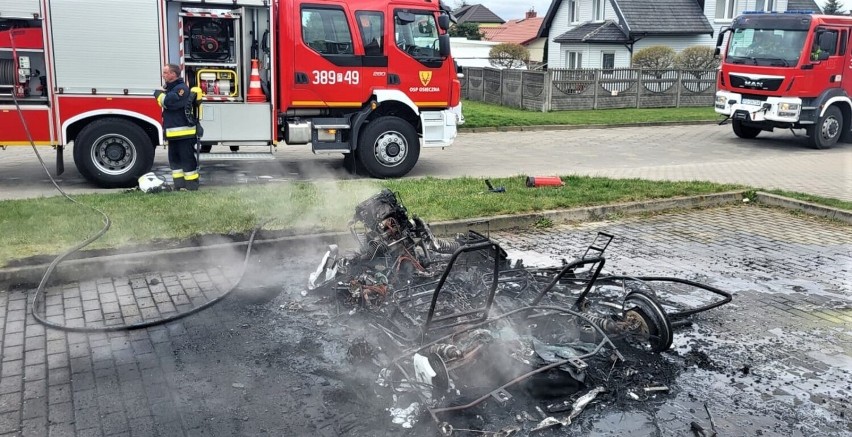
{"type": "Point", "coordinates": [191, 175]}
{"type": "Point", "coordinates": [180, 131]}
{"type": "Point", "coordinates": [177, 174]}
{"type": "Point", "coordinates": [160, 99]}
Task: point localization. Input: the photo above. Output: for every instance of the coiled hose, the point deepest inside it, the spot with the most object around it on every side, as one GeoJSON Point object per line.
{"type": "Point", "coordinates": [7, 72]}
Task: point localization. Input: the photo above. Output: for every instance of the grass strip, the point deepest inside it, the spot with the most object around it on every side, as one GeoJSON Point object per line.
{"type": "Point", "coordinates": [47, 226]}
{"type": "Point", "coordinates": [479, 114]}
{"type": "Point", "coordinates": [825, 201]}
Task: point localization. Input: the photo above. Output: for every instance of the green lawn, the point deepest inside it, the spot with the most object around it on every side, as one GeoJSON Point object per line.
{"type": "Point", "coordinates": [478, 114]}
{"type": "Point", "coordinates": [48, 226]}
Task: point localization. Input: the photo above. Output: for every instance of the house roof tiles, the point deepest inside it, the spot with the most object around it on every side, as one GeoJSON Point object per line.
{"type": "Point", "coordinates": [650, 17]}
{"type": "Point", "coordinates": [662, 17]}
{"type": "Point", "coordinates": [476, 14]}
{"type": "Point", "coordinates": [803, 5]}
{"type": "Point", "coordinates": [607, 32]}
{"type": "Point", "coordinates": [514, 31]}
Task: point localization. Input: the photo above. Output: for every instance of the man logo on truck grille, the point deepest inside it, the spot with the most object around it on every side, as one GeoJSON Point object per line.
{"type": "Point", "coordinates": [425, 77]}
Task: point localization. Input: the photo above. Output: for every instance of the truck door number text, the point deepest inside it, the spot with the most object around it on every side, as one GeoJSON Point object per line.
{"type": "Point", "coordinates": [330, 77]}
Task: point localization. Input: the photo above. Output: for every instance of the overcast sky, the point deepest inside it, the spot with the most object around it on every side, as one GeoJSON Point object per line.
{"type": "Point", "coordinates": [509, 9]}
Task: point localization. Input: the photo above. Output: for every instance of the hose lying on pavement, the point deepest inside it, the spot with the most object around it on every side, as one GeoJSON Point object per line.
{"type": "Point", "coordinates": [94, 238]}
{"type": "Point", "coordinates": [139, 325]}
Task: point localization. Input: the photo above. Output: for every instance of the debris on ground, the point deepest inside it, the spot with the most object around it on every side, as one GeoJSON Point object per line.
{"type": "Point", "coordinates": [462, 327]}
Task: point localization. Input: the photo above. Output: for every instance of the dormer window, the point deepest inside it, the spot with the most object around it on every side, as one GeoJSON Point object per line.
{"type": "Point", "coordinates": [573, 11]}
{"type": "Point", "coordinates": [728, 9]}
{"type": "Point", "coordinates": [598, 10]}
{"type": "Point", "coordinates": [765, 5]}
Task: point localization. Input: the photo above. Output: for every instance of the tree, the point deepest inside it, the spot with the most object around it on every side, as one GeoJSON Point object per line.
{"type": "Point", "coordinates": [654, 57]}
{"type": "Point", "coordinates": [508, 55]}
{"type": "Point", "coordinates": [833, 7]}
{"type": "Point", "coordinates": [697, 58]}
{"type": "Point", "coordinates": [466, 30]}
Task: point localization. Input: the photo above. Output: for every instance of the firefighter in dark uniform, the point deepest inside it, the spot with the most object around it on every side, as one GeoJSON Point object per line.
{"type": "Point", "coordinates": [180, 128]}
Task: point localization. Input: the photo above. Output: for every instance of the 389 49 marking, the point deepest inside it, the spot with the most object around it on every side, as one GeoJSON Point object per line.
{"type": "Point", "coordinates": [331, 77]}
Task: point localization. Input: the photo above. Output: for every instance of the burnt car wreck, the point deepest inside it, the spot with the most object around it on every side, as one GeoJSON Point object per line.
{"type": "Point", "coordinates": [462, 326]}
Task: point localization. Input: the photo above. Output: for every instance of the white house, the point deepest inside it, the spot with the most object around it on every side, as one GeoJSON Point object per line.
{"type": "Point", "coordinates": [606, 33]}
{"type": "Point", "coordinates": [471, 53]}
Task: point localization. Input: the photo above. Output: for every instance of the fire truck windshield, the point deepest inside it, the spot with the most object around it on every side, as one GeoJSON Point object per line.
{"type": "Point", "coordinates": [775, 47]}
{"type": "Point", "coordinates": [417, 34]}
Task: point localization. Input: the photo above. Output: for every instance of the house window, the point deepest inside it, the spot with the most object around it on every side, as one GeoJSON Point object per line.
{"type": "Point", "coordinates": [728, 9]}
{"type": "Point", "coordinates": [608, 61]}
{"type": "Point", "coordinates": [575, 59]}
{"type": "Point", "coordinates": [764, 5]}
{"type": "Point", "coordinates": [573, 11]}
{"type": "Point", "coordinates": [598, 9]}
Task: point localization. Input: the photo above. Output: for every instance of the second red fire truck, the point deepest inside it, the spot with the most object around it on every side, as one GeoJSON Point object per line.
{"type": "Point", "coordinates": [373, 79]}
{"type": "Point", "coordinates": [788, 70]}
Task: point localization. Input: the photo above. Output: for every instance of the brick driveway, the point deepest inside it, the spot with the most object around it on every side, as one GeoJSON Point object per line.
{"type": "Point", "coordinates": [251, 366]}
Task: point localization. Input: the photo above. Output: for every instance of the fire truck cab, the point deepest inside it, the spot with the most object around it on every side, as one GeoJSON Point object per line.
{"type": "Point", "coordinates": [786, 70]}
{"type": "Point", "coordinates": [373, 80]}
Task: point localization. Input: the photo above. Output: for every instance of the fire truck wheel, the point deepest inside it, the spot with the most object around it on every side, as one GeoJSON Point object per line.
{"type": "Point", "coordinates": [744, 131]}
{"type": "Point", "coordinates": [828, 129]}
{"type": "Point", "coordinates": [388, 148]}
{"type": "Point", "coordinates": [113, 153]}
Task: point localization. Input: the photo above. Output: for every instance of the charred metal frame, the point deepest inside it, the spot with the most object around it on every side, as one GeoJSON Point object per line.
{"type": "Point", "coordinates": [569, 268]}
{"type": "Point", "coordinates": [499, 393]}
{"type": "Point", "coordinates": [491, 293]}
{"type": "Point", "coordinates": [387, 224]}
{"type": "Point", "coordinates": [726, 297]}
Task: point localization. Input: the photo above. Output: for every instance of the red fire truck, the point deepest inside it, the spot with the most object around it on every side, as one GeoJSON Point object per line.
{"type": "Point", "coordinates": [371, 79]}
{"type": "Point", "coordinates": [788, 70]}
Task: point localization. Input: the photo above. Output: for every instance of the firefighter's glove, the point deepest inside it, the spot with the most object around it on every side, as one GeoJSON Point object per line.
{"type": "Point", "coordinates": [160, 95]}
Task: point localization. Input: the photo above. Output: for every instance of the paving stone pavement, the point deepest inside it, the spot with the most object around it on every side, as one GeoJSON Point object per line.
{"type": "Point", "coordinates": [228, 370]}
{"type": "Point", "coordinates": [777, 160]}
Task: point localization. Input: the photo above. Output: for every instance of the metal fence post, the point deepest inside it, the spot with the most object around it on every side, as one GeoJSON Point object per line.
{"type": "Point", "coordinates": [521, 102]}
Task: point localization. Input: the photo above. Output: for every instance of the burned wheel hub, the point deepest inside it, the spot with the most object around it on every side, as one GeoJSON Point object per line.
{"type": "Point", "coordinates": [648, 320]}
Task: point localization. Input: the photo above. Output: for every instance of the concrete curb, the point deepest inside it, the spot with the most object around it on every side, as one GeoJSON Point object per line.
{"type": "Point", "coordinates": [806, 207]}
{"type": "Point", "coordinates": [184, 258]}
{"type": "Point", "coordinates": [552, 127]}
{"type": "Point", "coordinates": [588, 213]}
{"type": "Point", "coordinates": [188, 258]}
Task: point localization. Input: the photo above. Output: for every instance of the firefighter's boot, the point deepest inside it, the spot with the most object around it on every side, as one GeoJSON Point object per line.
{"type": "Point", "coordinates": [179, 181]}
{"type": "Point", "coordinates": [192, 180]}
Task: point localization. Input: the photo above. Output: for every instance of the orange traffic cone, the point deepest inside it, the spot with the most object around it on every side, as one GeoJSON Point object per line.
{"type": "Point", "coordinates": [255, 94]}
